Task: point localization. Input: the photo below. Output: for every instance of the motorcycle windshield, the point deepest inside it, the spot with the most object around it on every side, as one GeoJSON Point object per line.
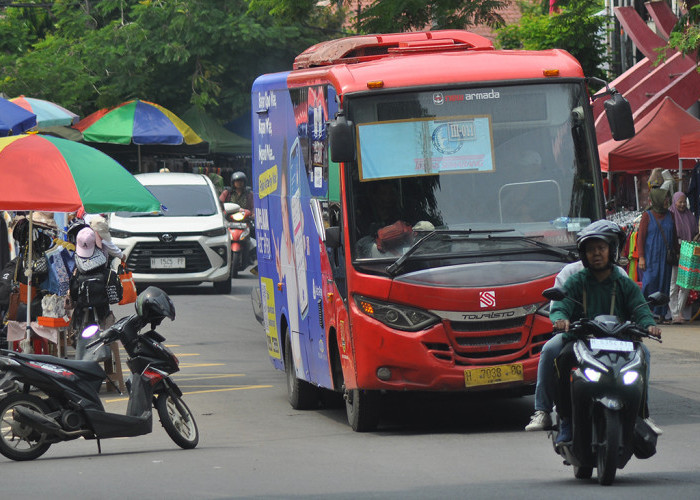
{"type": "Point", "coordinates": [508, 163]}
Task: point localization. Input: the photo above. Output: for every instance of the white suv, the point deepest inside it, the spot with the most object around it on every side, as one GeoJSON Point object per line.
{"type": "Point", "coordinates": [186, 243]}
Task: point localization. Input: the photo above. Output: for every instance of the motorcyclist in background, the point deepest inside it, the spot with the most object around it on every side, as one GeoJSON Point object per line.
{"type": "Point", "coordinates": [239, 193]}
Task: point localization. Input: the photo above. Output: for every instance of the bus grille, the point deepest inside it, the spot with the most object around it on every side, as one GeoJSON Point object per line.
{"type": "Point", "coordinates": [196, 259]}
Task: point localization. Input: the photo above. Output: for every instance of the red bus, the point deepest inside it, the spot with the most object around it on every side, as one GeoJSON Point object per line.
{"type": "Point", "coordinates": [414, 195]}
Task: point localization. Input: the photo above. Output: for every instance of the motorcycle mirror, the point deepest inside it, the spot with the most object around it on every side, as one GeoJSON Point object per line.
{"type": "Point", "coordinates": [554, 293]}
{"type": "Point", "coordinates": [657, 299]}
{"type": "Point", "coordinates": [90, 331]}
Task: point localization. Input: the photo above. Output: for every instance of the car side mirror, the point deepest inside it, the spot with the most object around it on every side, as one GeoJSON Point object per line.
{"type": "Point", "coordinates": [341, 133]}
{"type": "Point", "coordinates": [333, 236]}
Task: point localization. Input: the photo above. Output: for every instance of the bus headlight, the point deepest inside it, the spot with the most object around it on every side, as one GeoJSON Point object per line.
{"type": "Point", "coordinates": [396, 316]}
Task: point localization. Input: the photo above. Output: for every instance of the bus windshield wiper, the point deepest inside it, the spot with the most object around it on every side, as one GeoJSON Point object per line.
{"type": "Point", "coordinates": [569, 254]}
{"type": "Point", "coordinates": [394, 268]}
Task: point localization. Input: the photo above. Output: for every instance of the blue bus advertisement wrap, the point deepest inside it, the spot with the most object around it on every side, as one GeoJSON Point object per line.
{"type": "Point", "coordinates": [290, 169]}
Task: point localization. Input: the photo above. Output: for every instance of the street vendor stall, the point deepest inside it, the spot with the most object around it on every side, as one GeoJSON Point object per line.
{"type": "Point", "coordinates": [51, 174]}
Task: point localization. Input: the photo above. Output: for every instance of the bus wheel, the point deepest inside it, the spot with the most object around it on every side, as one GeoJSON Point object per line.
{"type": "Point", "coordinates": [362, 408]}
{"type": "Point", "coordinates": [301, 394]}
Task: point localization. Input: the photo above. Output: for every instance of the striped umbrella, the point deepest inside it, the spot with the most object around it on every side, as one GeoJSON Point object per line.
{"type": "Point", "coordinates": [48, 114]}
{"type": "Point", "coordinates": [137, 122]}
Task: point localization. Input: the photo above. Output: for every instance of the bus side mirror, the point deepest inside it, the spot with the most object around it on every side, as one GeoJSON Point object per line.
{"type": "Point", "coordinates": [341, 139]}
{"type": "Point", "coordinates": [333, 237]}
{"type": "Point", "coordinates": [619, 114]}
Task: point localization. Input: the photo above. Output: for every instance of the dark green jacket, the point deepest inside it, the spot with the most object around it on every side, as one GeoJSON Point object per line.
{"type": "Point", "coordinates": [599, 297]}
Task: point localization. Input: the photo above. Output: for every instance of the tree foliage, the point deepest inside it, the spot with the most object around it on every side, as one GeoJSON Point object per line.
{"type": "Point", "coordinates": [575, 29]}
{"type": "Point", "coordinates": [98, 53]}
{"type": "Point", "coordinates": [686, 34]}
{"type": "Point", "coordinates": [387, 16]}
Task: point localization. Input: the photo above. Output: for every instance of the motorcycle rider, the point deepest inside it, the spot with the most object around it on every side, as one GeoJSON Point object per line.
{"type": "Point", "coordinates": [546, 386]}
{"type": "Point", "coordinates": [239, 193]}
{"type": "Point", "coordinates": [601, 289]}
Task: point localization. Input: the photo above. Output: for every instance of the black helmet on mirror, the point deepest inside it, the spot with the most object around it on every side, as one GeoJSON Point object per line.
{"type": "Point", "coordinates": [238, 176]}
{"type": "Point", "coordinates": [153, 305]}
{"type": "Point", "coordinates": [604, 230]}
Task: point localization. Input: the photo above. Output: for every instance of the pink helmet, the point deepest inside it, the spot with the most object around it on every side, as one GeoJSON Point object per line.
{"type": "Point", "coordinates": [85, 242]}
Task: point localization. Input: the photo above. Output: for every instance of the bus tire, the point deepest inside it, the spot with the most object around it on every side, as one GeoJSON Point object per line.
{"type": "Point", "coordinates": [362, 408]}
{"type": "Point", "coordinates": [301, 394]}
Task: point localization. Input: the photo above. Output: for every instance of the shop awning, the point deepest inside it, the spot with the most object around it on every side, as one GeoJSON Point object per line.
{"type": "Point", "coordinates": [656, 144]}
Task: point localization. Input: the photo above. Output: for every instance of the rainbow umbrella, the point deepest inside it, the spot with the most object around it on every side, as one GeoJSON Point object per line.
{"type": "Point", "coordinates": [15, 119]}
{"type": "Point", "coordinates": [137, 122]}
{"type": "Point", "coordinates": [57, 175]}
{"type": "Point", "coordinates": [48, 114]}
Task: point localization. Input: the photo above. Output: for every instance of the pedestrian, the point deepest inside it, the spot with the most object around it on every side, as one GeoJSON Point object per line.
{"type": "Point", "coordinates": [686, 230]}
{"type": "Point", "coordinates": [657, 244]}
{"type": "Point", "coordinates": [88, 288]}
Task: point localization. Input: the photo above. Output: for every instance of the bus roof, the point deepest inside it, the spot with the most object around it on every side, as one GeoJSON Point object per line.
{"type": "Point", "coordinates": [428, 58]}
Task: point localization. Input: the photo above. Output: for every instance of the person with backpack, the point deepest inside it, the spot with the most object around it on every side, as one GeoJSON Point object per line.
{"type": "Point", "coordinates": [89, 288]}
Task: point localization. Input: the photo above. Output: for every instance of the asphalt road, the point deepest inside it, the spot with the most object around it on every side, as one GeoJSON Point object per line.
{"type": "Point", "coordinates": [254, 445]}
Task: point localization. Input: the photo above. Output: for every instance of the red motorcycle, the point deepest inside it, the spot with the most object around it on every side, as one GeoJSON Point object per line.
{"type": "Point", "coordinates": [242, 228]}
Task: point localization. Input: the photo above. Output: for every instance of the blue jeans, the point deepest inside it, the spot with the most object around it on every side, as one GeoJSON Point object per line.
{"type": "Point", "coordinates": [546, 387]}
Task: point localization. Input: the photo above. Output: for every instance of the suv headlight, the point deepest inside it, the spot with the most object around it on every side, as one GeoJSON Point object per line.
{"type": "Point", "coordinates": [396, 316]}
{"type": "Point", "coordinates": [116, 233]}
{"type": "Point", "coordinates": [219, 231]}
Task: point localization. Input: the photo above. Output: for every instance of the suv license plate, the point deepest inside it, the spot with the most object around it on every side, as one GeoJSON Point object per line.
{"type": "Point", "coordinates": [167, 263]}
{"type": "Point", "coordinates": [486, 375]}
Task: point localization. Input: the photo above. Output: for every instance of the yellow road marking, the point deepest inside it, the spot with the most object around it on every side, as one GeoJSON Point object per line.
{"type": "Point", "coordinates": [208, 377]}
{"type": "Point", "coordinates": [240, 388]}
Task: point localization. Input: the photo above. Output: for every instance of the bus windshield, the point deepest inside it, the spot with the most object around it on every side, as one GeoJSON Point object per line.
{"type": "Point", "coordinates": [497, 169]}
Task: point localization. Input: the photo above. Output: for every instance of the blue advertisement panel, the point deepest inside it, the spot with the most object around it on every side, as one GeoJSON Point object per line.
{"type": "Point", "coordinates": [289, 168]}
{"type": "Point", "coordinates": [464, 143]}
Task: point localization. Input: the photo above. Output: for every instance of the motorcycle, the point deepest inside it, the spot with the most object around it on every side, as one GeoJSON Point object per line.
{"type": "Point", "coordinates": [607, 394]}
{"type": "Point", "coordinates": [72, 408]}
{"type": "Point", "coordinates": [242, 230]}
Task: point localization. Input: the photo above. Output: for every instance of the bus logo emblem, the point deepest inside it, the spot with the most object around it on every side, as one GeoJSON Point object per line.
{"type": "Point", "coordinates": [438, 98]}
{"type": "Point", "coordinates": [487, 298]}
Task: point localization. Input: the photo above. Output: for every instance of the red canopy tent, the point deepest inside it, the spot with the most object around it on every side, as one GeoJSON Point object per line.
{"type": "Point", "coordinates": [656, 143]}
{"type": "Point", "coordinates": [690, 146]}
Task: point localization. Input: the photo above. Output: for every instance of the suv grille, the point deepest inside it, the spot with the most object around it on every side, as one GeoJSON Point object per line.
{"type": "Point", "coordinates": [196, 260]}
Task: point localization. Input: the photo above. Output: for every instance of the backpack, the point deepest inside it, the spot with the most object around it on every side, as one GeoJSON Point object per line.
{"type": "Point", "coordinates": [89, 289]}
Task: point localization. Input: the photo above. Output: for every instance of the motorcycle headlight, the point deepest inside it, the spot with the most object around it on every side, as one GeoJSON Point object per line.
{"type": "Point", "coordinates": [592, 375]}
{"type": "Point", "coordinates": [584, 356]}
{"type": "Point", "coordinates": [630, 377]}
{"type": "Point", "coordinates": [396, 316]}
{"type": "Point", "coordinates": [238, 216]}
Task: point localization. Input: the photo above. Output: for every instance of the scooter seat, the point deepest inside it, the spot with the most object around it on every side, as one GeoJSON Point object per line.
{"type": "Point", "coordinates": [85, 366]}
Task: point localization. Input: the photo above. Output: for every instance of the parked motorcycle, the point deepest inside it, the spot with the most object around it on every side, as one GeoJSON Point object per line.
{"type": "Point", "coordinates": [242, 230]}
{"type": "Point", "coordinates": [607, 394]}
{"type": "Point", "coordinates": [71, 408]}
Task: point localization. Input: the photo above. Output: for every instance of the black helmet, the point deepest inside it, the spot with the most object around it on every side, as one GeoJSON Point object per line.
{"type": "Point", "coordinates": [604, 230]}
{"type": "Point", "coordinates": [238, 176]}
{"type": "Point", "coordinates": [153, 304]}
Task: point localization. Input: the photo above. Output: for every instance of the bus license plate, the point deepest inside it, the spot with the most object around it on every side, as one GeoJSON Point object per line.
{"type": "Point", "coordinates": [167, 262]}
{"type": "Point", "coordinates": [486, 375]}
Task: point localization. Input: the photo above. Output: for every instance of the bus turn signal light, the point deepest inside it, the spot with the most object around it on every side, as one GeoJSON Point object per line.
{"type": "Point", "coordinates": [376, 84]}
{"type": "Point", "coordinates": [550, 72]}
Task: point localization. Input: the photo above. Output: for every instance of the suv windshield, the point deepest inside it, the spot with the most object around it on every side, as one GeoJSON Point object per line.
{"type": "Point", "coordinates": [181, 201]}
{"type": "Point", "coordinates": [510, 164]}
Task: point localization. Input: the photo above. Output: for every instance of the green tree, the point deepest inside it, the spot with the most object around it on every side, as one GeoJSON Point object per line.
{"type": "Point", "coordinates": [575, 29]}
{"type": "Point", "coordinates": [686, 34]}
{"type": "Point", "coordinates": [173, 52]}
